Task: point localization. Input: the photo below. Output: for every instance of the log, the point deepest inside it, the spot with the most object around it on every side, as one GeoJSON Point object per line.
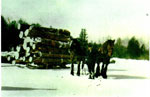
{"type": "Point", "coordinates": [50, 61]}
{"type": "Point", "coordinates": [26, 32]}
{"type": "Point", "coordinates": [52, 30]}
{"type": "Point", "coordinates": [64, 32]}
{"type": "Point", "coordinates": [45, 61]}
{"type": "Point", "coordinates": [35, 33]}
{"type": "Point", "coordinates": [51, 50]}
{"type": "Point", "coordinates": [18, 48]}
{"type": "Point", "coordinates": [35, 54]}
{"type": "Point", "coordinates": [55, 56]}
{"type": "Point", "coordinates": [50, 55]}
{"type": "Point", "coordinates": [21, 35]}
{"type": "Point", "coordinates": [13, 62]}
{"type": "Point", "coordinates": [21, 62]}
{"type": "Point", "coordinates": [53, 43]}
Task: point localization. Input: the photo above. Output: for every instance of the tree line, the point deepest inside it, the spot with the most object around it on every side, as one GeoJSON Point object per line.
{"type": "Point", "coordinates": [134, 50]}
{"type": "Point", "coordinates": [10, 33]}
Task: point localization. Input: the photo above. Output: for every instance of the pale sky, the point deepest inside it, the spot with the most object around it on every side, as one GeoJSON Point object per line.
{"type": "Point", "coordinates": [101, 18]}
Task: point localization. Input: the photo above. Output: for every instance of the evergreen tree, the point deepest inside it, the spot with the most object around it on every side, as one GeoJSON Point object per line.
{"type": "Point", "coordinates": [83, 35]}
{"type": "Point", "coordinates": [13, 32]}
{"type": "Point", "coordinates": [21, 21]}
{"type": "Point", "coordinates": [133, 48]}
{"type": "Point", "coordinates": [143, 49]}
{"type": "Point", "coordinates": [120, 50]}
{"type": "Point", "coordinates": [36, 25]}
{"type": "Point", "coordinates": [4, 33]}
{"type": "Point", "coordinates": [83, 38]}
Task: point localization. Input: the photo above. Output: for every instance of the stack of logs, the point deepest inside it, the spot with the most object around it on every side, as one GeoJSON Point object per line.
{"type": "Point", "coordinates": [45, 47]}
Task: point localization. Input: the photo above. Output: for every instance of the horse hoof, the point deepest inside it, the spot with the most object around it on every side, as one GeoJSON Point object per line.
{"type": "Point", "coordinates": [96, 76]}
{"type": "Point", "coordinates": [104, 76]}
{"type": "Point", "coordinates": [78, 74]}
{"type": "Point", "coordinates": [90, 78]}
{"type": "Point", "coordinates": [72, 73]}
{"type": "Point", "coordinates": [100, 74]}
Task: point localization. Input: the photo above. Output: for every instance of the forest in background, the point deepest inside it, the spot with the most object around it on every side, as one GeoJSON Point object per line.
{"type": "Point", "coordinates": [134, 48]}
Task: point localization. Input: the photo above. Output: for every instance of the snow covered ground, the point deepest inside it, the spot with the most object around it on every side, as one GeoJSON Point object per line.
{"type": "Point", "coordinates": [126, 78]}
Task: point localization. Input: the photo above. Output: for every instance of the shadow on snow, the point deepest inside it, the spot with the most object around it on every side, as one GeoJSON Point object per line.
{"type": "Point", "coordinates": [126, 77]}
{"type": "Point", "coordinates": [9, 88]}
{"type": "Point", "coordinates": [116, 70]}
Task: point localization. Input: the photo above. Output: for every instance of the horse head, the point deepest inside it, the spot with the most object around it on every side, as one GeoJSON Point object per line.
{"type": "Point", "coordinates": [107, 48]}
{"type": "Point", "coordinates": [74, 43]}
{"type": "Point", "coordinates": [110, 46]}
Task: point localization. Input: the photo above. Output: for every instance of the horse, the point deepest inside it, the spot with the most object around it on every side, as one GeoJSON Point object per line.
{"type": "Point", "coordinates": [98, 55]}
{"type": "Point", "coordinates": [78, 53]}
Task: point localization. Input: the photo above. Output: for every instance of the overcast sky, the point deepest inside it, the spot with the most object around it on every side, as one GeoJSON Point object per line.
{"type": "Point", "coordinates": [101, 18]}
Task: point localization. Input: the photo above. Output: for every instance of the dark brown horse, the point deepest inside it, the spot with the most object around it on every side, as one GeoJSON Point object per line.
{"type": "Point", "coordinates": [98, 55]}
{"type": "Point", "coordinates": [78, 54]}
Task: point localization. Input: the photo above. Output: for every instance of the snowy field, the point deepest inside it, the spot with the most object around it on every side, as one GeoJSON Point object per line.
{"type": "Point", "coordinates": [126, 78]}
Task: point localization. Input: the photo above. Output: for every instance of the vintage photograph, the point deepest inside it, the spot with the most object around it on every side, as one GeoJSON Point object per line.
{"type": "Point", "coordinates": [75, 48]}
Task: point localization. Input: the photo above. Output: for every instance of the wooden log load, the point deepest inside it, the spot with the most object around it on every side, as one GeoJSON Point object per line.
{"type": "Point", "coordinates": [51, 50]}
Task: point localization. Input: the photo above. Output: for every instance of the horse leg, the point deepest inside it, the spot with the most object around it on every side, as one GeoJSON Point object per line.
{"type": "Point", "coordinates": [83, 65]}
{"type": "Point", "coordinates": [105, 68]}
{"type": "Point", "coordinates": [93, 70]}
{"type": "Point", "coordinates": [90, 70]}
{"type": "Point", "coordinates": [105, 72]}
{"type": "Point", "coordinates": [91, 74]}
{"type": "Point", "coordinates": [97, 70]}
{"type": "Point", "coordinates": [72, 67]}
{"type": "Point", "coordinates": [102, 69]}
{"type": "Point", "coordinates": [78, 72]}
